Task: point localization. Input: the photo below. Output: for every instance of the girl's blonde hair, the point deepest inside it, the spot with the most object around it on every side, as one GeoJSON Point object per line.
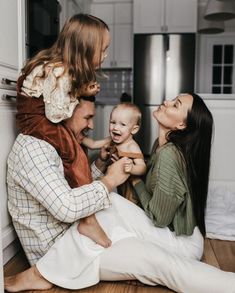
{"type": "Point", "coordinates": [75, 48]}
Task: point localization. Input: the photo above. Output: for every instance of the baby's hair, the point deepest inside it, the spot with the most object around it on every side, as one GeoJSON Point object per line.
{"type": "Point", "coordinates": [131, 106]}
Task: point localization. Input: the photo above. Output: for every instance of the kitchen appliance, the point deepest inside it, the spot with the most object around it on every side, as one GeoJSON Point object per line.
{"type": "Point", "coordinates": [42, 25]}
{"type": "Point", "coordinates": [164, 66]}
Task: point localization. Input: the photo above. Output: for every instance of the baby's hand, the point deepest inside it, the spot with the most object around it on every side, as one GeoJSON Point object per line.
{"type": "Point", "coordinates": [128, 166]}
{"type": "Point", "coordinates": [90, 89]}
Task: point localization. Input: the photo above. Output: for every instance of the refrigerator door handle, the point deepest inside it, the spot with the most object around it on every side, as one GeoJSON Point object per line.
{"type": "Point", "coordinates": [167, 43]}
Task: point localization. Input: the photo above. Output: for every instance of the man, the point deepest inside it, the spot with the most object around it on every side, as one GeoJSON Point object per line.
{"type": "Point", "coordinates": [42, 204]}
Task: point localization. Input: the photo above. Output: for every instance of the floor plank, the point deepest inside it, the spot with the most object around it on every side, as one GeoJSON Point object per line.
{"type": "Point", "coordinates": [225, 254]}
{"type": "Point", "coordinates": [218, 253]}
{"type": "Point", "coordinates": [19, 263]}
{"type": "Point", "coordinates": [209, 256]}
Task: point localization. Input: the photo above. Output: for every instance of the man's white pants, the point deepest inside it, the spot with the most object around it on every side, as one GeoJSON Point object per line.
{"type": "Point", "coordinates": [135, 259]}
{"type": "Point", "coordinates": [139, 251]}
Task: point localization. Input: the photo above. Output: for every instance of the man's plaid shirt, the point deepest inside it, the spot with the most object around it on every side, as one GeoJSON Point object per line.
{"type": "Point", "coordinates": [40, 201]}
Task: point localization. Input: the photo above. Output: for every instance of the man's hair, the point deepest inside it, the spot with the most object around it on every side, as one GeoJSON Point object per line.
{"type": "Point", "coordinates": [90, 98]}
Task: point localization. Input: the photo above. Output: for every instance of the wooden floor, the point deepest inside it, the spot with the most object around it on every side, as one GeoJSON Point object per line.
{"type": "Point", "coordinates": [217, 253]}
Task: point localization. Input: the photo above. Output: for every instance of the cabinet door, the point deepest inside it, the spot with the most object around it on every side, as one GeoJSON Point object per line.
{"type": "Point", "coordinates": [118, 16]}
{"type": "Point", "coordinates": [123, 39]}
{"type": "Point", "coordinates": [162, 16]}
{"type": "Point", "coordinates": [148, 16]}
{"type": "Point", "coordinates": [103, 11]}
{"type": "Point", "coordinates": [12, 36]}
{"type": "Point", "coordinates": [109, 60]}
{"type": "Point", "coordinates": [123, 13]}
{"type": "Point", "coordinates": [181, 16]}
{"type": "Point", "coordinates": [106, 13]}
{"type": "Point", "coordinates": [1, 261]}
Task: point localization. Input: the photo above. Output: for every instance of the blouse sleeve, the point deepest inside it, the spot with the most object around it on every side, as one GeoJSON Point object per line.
{"type": "Point", "coordinates": [169, 190]}
{"type": "Point", "coordinates": [58, 104]}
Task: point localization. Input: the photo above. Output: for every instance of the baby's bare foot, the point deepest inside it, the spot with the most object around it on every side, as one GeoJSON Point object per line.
{"type": "Point", "coordinates": [92, 229]}
{"type": "Point", "coordinates": [30, 279]}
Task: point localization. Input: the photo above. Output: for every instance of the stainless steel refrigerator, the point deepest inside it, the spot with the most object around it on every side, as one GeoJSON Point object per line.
{"type": "Point", "coordinates": [164, 66]}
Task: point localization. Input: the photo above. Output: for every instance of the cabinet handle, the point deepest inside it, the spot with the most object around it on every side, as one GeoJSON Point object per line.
{"type": "Point", "coordinates": [6, 97]}
{"type": "Point", "coordinates": [8, 81]}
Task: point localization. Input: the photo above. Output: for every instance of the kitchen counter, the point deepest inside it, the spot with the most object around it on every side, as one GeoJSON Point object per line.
{"type": "Point", "coordinates": [217, 96]}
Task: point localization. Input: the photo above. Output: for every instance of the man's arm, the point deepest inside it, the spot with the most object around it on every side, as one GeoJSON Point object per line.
{"type": "Point", "coordinates": [39, 171]}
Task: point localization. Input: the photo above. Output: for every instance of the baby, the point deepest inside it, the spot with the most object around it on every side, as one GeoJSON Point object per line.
{"type": "Point", "coordinates": [124, 123]}
{"type": "Point", "coordinates": [125, 120]}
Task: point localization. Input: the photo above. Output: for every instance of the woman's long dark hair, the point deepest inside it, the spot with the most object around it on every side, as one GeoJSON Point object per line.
{"type": "Point", "coordinates": [194, 142]}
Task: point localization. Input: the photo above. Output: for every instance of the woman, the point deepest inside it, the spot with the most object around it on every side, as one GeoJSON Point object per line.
{"type": "Point", "coordinates": [163, 247]}
{"type": "Point", "coordinates": [175, 189]}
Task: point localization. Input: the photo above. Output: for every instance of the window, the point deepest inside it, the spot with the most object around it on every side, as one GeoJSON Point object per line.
{"type": "Point", "coordinates": [222, 69]}
{"type": "Point", "coordinates": [216, 64]}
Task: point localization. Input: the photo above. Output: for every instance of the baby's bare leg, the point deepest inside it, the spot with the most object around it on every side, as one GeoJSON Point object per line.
{"type": "Point", "coordinates": [90, 227]}
{"type": "Point", "coordinates": [30, 279]}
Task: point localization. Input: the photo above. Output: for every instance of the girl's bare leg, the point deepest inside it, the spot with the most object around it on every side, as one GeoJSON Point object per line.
{"type": "Point", "coordinates": [30, 279]}
{"type": "Point", "coordinates": [90, 227]}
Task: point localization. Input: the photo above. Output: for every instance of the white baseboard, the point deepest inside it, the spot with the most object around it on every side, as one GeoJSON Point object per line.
{"type": "Point", "coordinates": [10, 243]}
{"type": "Point", "coordinates": [10, 251]}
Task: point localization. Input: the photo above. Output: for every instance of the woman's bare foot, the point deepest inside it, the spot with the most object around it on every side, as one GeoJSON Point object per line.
{"type": "Point", "coordinates": [30, 279]}
{"type": "Point", "coordinates": [91, 228]}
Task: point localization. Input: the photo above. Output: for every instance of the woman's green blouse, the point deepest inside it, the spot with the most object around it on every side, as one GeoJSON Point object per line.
{"type": "Point", "coordinates": [165, 195]}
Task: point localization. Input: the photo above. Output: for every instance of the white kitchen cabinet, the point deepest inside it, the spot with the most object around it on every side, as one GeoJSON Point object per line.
{"type": "Point", "coordinates": [165, 16]}
{"type": "Point", "coordinates": [118, 16]}
{"type": "Point", "coordinates": [12, 36]}
{"type": "Point", "coordinates": [12, 56]}
{"type": "Point", "coordinates": [71, 7]}
{"type": "Point", "coordinates": [1, 262]}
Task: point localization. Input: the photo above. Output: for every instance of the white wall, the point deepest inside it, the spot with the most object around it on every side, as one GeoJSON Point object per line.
{"type": "Point", "coordinates": [223, 147]}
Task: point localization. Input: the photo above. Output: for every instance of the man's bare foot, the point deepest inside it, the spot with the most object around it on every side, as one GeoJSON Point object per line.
{"type": "Point", "coordinates": [30, 279]}
{"type": "Point", "coordinates": [91, 228]}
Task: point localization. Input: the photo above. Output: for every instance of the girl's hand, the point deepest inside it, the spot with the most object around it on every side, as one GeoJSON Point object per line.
{"type": "Point", "coordinates": [90, 89]}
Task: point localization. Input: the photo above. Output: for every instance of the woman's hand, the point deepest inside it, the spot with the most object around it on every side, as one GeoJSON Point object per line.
{"type": "Point", "coordinates": [134, 180]}
{"type": "Point", "coordinates": [128, 166]}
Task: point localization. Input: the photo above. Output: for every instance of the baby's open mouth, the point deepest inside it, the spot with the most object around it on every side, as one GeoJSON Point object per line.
{"type": "Point", "coordinates": [115, 134]}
